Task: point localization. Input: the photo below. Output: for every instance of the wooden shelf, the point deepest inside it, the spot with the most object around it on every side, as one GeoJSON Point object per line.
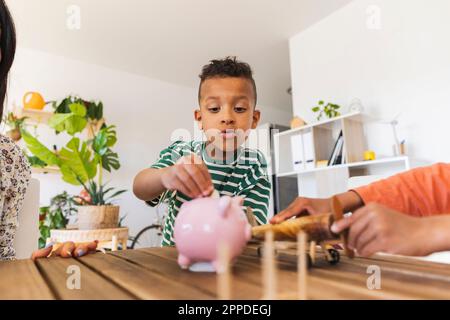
{"type": "Point", "coordinates": [35, 116]}
{"type": "Point", "coordinates": [46, 170]}
{"type": "Point", "coordinates": [359, 164]}
{"type": "Point", "coordinates": [328, 123]}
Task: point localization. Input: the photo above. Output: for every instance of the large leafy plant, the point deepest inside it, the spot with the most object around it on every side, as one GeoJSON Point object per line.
{"type": "Point", "coordinates": [81, 161]}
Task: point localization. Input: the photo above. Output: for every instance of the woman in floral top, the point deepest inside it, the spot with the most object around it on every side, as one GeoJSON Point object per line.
{"type": "Point", "coordinates": [14, 168]}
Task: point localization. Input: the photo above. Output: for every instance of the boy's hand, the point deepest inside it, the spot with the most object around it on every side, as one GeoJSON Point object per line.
{"type": "Point", "coordinates": [375, 228]}
{"type": "Point", "coordinates": [189, 176]}
{"type": "Point", "coordinates": [301, 207]}
{"type": "Point", "coordinates": [66, 250]}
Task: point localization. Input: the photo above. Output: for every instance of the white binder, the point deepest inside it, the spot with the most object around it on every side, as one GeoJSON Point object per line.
{"type": "Point", "coordinates": [297, 152]}
{"type": "Point", "coordinates": [309, 153]}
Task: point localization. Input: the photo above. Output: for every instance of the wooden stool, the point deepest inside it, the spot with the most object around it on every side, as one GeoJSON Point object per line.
{"type": "Point", "coordinates": [107, 238]}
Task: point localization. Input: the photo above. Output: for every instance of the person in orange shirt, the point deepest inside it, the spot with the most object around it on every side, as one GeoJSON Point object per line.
{"type": "Point", "coordinates": [408, 213]}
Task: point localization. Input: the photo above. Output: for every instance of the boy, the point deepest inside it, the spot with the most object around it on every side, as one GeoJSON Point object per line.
{"type": "Point", "coordinates": [408, 213]}
{"type": "Point", "coordinates": [186, 170]}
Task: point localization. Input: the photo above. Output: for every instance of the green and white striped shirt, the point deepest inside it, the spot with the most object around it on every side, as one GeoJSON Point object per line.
{"type": "Point", "coordinates": [246, 176]}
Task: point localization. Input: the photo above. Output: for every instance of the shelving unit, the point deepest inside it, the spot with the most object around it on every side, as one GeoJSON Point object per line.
{"type": "Point", "coordinates": [316, 181]}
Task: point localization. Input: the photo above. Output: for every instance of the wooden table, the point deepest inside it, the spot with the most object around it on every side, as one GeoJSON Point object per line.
{"type": "Point", "coordinates": [154, 274]}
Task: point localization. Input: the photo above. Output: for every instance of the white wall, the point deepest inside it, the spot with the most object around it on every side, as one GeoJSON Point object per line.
{"type": "Point", "coordinates": [146, 112]}
{"type": "Point", "coordinates": [402, 67]}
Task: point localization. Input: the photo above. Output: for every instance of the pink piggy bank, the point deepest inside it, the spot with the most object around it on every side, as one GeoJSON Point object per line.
{"type": "Point", "coordinates": [204, 224]}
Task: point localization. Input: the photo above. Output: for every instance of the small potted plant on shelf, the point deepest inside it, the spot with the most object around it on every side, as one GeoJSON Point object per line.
{"type": "Point", "coordinates": [330, 110]}
{"type": "Point", "coordinates": [82, 162]}
{"type": "Point", "coordinates": [15, 123]}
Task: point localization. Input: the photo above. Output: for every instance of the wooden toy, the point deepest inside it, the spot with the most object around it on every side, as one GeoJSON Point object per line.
{"type": "Point", "coordinates": [317, 227]}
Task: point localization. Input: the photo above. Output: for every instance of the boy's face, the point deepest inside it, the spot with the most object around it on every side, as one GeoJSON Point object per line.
{"type": "Point", "coordinates": [227, 111]}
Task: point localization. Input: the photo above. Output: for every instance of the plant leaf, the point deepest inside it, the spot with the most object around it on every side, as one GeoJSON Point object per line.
{"type": "Point", "coordinates": [72, 122]}
{"type": "Point", "coordinates": [78, 109]}
{"type": "Point", "coordinates": [39, 150]}
{"type": "Point", "coordinates": [77, 163]}
{"type": "Point", "coordinates": [110, 160]}
{"type": "Point", "coordinates": [63, 107]}
{"type": "Point", "coordinates": [94, 111]}
{"type": "Point", "coordinates": [99, 144]}
{"type": "Point", "coordinates": [108, 190]}
{"type": "Point", "coordinates": [111, 136]}
{"type": "Point", "coordinates": [57, 121]}
{"type": "Point", "coordinates": [116, 194]}
{"type": "Point", "coordinates": [36, 162]}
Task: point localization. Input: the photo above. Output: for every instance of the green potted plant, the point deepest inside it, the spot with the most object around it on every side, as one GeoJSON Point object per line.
{"type": "Point", "coordinates": [55, 216]}
{"type": "Point", "coordinates": [15, 124]}
{"type": "Point", "coordinates": [82, 162]}
{"type": "Point", "coordinates": [330, 110]}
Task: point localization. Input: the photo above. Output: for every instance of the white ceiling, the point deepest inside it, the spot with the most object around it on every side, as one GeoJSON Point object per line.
{"type": "Point", "coordinates": [171, 40]}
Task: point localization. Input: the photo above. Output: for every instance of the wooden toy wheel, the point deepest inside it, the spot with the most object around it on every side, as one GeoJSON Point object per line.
{"type": "Point", "coordinates": [335, 257]}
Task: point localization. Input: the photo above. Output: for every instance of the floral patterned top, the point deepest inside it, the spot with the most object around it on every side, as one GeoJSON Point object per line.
{"type": "Point", "coordinates": [14, 178]}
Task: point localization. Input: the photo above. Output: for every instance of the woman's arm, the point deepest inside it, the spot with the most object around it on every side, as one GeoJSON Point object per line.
{"type": "Point", "coordinates": [423, 191]}
{"type": "Point", "coordinates": [419, 192]}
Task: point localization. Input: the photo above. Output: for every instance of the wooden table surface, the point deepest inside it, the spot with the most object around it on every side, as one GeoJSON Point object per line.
{"type": "Point", "coordinates": [154, 274]}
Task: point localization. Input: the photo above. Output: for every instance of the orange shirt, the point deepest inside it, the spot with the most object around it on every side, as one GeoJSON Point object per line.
{"type": "Point", "coordinates": [419, 192]}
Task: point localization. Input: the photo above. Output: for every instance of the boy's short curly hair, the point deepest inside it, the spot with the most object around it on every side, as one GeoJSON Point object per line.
{"type": "Point", "coordinates": [224, 68]}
